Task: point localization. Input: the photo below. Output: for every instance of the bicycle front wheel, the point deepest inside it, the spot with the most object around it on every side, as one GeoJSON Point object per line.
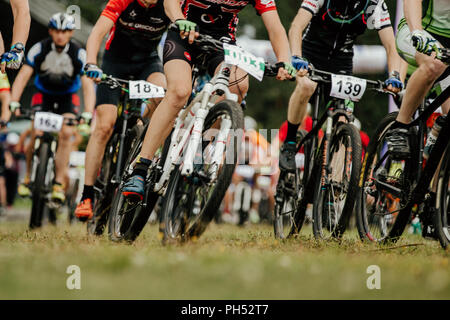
{"type": "Point", "coordinates": [39, 187]}
{"type": "Point", "coordinates": [336, 191]}
{"type": "Point", "coordinates": [442, 216]}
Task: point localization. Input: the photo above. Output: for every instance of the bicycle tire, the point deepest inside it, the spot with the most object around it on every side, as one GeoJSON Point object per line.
{"type": "Point", "coordinates": [442, 216]}
{"type": "Point", "coordinates": [343, 130]}
{"type": "Point", "coordinates": [362, 217]}
{"type": "Point", "coordinates": [38, 201]}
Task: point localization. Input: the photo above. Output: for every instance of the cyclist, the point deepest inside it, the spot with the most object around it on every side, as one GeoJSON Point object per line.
{"type": "Point", "coordinates": [424, 31]}
{"type": "Point", "coordinates": [331, 28]}
{"type": "Point", "coordinates": [58, 62]}
{"type": "Point", "coordinates": [215, 18]}
{"type": "Point", "coordinates": [22, 20]}
{"type": "Point", "coordinates": [135, 30]}
{"type": "Point", "coordinates": [430, 27]}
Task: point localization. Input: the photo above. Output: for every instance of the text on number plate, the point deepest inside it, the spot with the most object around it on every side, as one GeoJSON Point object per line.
{"type": "Point", "coordinates": [245, 60]}
{"type": "Point", "coordinates": [347, 87]}
{"type": "Point", "coordinates": [48, 122]}
{"type": "Point", "coordinates": [145, 90]}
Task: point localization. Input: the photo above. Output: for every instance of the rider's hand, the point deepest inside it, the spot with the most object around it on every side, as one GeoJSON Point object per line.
{"type": "Point", "coordinates": [86, 117]}
{"type": "Point", "coordinates": [14, 58]}
{"type": "Point", "coordinates": [14, 107]}
{"type": "Point", "coordinates": [425, 43]}
{"type": "Point", "coordinates": [93, 71]}
{"type": "Point", "coordinates": [286, 72]}
{"type": "Point", "coordinates": [393, 83]}
{"type": "Point", "coordinates": [187, 29]}
{"type": "Point", "coordinates": [301, 64]}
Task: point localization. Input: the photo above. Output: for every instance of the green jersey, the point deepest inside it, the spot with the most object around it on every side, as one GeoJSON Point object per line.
{"type": "Point", "coordinates": [436, 16]}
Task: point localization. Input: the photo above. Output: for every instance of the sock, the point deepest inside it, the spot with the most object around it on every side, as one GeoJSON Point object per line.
{"type": "Point", "coordinates": [88, 193]}
{"type": "Point", "coordinates": [292, 132]}
{"type": "Point", "coordinates": [399, 125]}
{"type": "Point", "coordinates": [141, 167]}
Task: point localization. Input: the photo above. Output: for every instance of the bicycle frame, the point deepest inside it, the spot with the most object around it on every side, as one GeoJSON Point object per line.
{"type": "Point", "coordinates": [186, 136]}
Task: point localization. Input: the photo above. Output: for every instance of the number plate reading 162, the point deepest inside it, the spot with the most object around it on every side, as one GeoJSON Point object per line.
{"type": "Point", "coordinates": [347, 87]}
{"type": "Point", "coordinates": [48, 122]}
{"type": "Point", "coordinates": [145, 90]}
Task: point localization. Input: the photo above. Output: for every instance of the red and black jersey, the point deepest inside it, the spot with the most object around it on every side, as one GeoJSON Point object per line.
{"type": "Point", "coordinates": [219, 17]}
{"type": "Point", "coordinates": [137, 30]}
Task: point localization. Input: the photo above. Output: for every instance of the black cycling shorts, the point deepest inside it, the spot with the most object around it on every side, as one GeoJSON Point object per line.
{"type": "Point", "coordinates": [339, 64]}
{"type": "Point", "coordinates": [59, 104]}
{"type": "Point", "coordinates": [125, 70]}
{"type": "Point", "coordinates": [176, 48]}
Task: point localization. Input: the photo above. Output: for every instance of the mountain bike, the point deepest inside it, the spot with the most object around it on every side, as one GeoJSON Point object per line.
{"type": "Point", "coordinates": [127, 130]}
{"type": "Point", "coordinates": [47, 125]}
{"type": "Point", "coordinates": [392, 189]}
{"type": "Point", "coordinates": [196, 164]}
{"type": "Point", "coordinates": [331, 170]}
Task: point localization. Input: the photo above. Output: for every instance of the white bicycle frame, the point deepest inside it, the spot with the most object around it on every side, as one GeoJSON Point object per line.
{"type": "Point", "coordinates": [188, 129]}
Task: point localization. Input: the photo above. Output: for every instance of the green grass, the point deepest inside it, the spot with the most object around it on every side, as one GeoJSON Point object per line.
{"type": "Point", "coordinates": [227, 262]}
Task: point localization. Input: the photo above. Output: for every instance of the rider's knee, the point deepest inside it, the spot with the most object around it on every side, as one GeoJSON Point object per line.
{"type": "Point", "coordinates": [433, 68]}
{"type": "Point", "coordinates": [66, 133]}
{"type": "Point", "coordinates": [305, 87]}
{"type": "Point", "coordinates": [179, 95]}
{"type": "Point", "coordinates": [103, 130]}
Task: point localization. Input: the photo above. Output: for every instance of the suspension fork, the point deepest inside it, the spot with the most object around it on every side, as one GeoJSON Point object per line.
{"type": "Point", "coordinates": [325, 152]}
{"type": "Point", "coordinates": [122, 137]}
{"type": "Point", "coordinates": [421, 134]}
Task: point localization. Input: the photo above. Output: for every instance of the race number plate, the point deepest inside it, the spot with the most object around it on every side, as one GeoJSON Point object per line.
{"type": "Point", "coordinates": [145, 90]}
{"type": "Point", "coordinates": [347, 87]}
{"type": "Point", "coordinates": [48, 122]}
{"type": "Point", "coordinates": [245, 60]}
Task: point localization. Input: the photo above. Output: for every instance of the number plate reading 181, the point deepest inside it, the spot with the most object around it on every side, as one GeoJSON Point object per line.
{"type": "Point", "coordinates": [347, 87]}
{"type": "Point", "coordinates": [145, 90]}
{"type": "Point", "coordinates": [48, 122]}
{"type": "Point", "coordinates": [245, 60]}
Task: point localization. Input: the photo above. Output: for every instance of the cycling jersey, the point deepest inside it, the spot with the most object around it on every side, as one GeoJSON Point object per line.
{"type": "Point", "coordinates": [436, 16]}
{"type": "Point", "coordinates": [219, 18]}
{"type": "Point", "coordinates": [137, 30]}
{"type": "Point", "coordinates": [57, 73]}
{"type": "Point", "coordinates": [329, 37]}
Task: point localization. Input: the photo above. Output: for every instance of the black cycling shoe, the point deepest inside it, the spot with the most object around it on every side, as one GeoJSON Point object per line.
{"type": "Point", "coordinates": [398, 143]}
{"type": "Point", "coordinates": [287, 157]}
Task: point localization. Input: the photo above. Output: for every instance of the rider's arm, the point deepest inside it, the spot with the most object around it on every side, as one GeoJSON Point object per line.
{"type": "Point", "coordinates": [22, 21]}
{"type": "Point", "coordinates": [2, 45]}
{"type": "Point", "coordinates": [413, 14]}
{"type": "Point", "coordinates": [173, 10]}
{"type": "Point", "coordinates": [388, 40]}
{"type": "Point", "coordinates": [20, 82]}
{"type": "Point", "coordinates": [277, 35]}
{"type": "Point", "coordinates": [100, 30]}
{"type": "Point", "coordinates": [299, 24]}
{"type": "Point", "coordinates": [88, 94]}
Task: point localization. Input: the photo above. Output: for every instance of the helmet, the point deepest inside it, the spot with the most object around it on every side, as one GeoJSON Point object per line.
{"type": "Point", "coordinates": [249, 123]}
{"type": "Point", "coordinates": [62, 21]}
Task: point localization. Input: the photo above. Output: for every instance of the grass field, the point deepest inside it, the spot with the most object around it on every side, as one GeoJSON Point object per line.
{"type": "Point", "coordinates": [226, 263]}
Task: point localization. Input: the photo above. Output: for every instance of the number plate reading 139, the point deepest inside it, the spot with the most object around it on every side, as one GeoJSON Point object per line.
{"type": "Point", "coordinates": [48, 122]}
{"type": "Point", "coordinates": [145, 90]}
{"type": "Point", "coordinates": [347, 87]}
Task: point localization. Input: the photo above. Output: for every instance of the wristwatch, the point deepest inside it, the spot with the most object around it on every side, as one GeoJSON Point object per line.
{"type": "Point", "coordinates": [395, 74]}
{"type": "Point", "coordinates": [18, 47]}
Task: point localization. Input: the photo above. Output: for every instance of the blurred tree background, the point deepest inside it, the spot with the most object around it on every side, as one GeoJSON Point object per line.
{"type": "Point", "coordinates": [270, 108]}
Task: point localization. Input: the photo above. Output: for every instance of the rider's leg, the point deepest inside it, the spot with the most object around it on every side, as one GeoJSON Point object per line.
{"type": "Point", "coordinates": [419, 85]}
{"type": "Point", "coordinates": [179, 77]}
{"type": "Point", "coordinates": [159, 79]}
{"type": "Point", "coordinates": [64, 149]}
{"type": "Point", "coordinates": [296, 113]}
{"type": "Point", "coordinates": [106, 116]}
{"type": "Point", "coordinates": [178, 73]}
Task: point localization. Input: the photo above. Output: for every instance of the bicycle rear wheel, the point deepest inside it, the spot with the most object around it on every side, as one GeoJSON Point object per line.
{"type": "Point", "coordinates": [442, 216]}
{"type": "Point", "coordinates": [39, 187]}
{"type": "Point", "coordinates": [334, 201]}
{"type": "Point", "coordinates": [378, 216]}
